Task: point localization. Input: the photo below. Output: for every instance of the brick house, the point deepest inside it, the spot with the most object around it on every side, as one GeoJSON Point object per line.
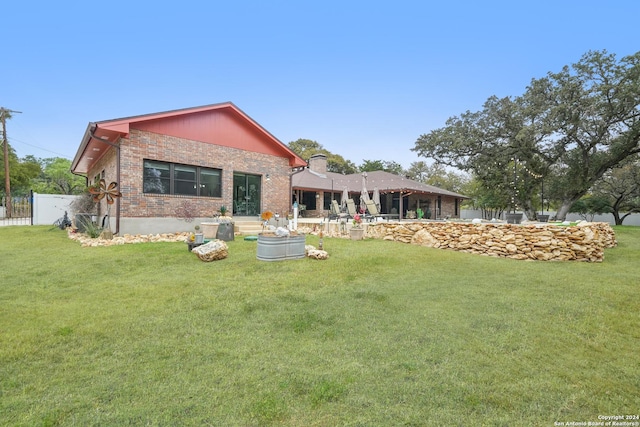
{"type": "Point", "coordinates": [201, 158]}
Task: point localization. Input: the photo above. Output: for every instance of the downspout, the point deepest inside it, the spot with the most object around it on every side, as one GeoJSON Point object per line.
{"type": "Point", "coordinates": [117, 147]}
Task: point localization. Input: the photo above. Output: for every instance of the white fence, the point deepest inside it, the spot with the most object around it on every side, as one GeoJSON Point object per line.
{"type": "Point", "coordinates": [47, 208]}
{"type": "Point", "coordinates": [633, 219]}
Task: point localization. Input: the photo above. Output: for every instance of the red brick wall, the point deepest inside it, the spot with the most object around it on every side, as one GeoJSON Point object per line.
{"type": "Point", "coordinates": [143, 145]}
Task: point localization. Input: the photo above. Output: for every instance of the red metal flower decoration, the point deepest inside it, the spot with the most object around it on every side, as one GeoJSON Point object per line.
{"type": "Point", "coordinates": [102, 191]}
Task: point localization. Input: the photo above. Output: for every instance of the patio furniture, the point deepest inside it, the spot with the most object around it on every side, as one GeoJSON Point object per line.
{"type": "Point", "coordinates": [374, 213]}
{"type": "Point", "coordinates": [351, 208]}
{"type": "Point", "coordinates": [336, 213]}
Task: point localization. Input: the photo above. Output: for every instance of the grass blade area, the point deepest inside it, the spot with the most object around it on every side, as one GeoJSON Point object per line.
{"type": "Point", "coordinates": [382, 333]}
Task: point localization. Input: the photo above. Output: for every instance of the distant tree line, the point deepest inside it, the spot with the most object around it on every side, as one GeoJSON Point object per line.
{"type": "Point", "coordinates": [47, 176]}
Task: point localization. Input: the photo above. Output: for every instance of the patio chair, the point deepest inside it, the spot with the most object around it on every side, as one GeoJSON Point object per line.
{"type": "Point", "coordinates": [335, 213]}
{"type": "Point", "coordinates": [375, 213]}
{"type": "Point", "coordinates": [351, 208]}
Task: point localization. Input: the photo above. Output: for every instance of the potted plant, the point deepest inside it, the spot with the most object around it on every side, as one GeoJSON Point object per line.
{"type": "Point", "coordinates": [280, 244]}
{"type": "Point", "coordinates": [357, 232]}
{"type": "Point", "coordinates": [266, 217]}
{"type": "Point", "coordinates": [199, 237]}
{"type": "Point", "coordinates": [514, 217]}
{"type": "Point", "coordinates": [225, 229]}
{"type": "Point", "coordinates": [211, 229]}
{"type": "Point", "coordinates": [226, 225]}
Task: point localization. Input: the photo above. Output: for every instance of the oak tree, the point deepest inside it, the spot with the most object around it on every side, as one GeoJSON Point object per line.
{"type": "Point", "coordinates": [566, 131]}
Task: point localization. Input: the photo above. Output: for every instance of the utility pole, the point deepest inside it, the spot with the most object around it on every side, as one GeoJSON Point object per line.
{"type": "Point", "coordinates": [4, 115]}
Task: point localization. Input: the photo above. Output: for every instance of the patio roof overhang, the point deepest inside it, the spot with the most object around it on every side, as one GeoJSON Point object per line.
{"type": "Point", "coordinates": [95, 143]}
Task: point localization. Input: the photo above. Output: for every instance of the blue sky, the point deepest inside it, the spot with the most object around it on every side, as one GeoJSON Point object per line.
{"type": "Point", "coordinates": [363, 78]}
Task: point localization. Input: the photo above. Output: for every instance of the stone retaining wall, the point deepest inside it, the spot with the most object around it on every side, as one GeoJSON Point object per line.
{"type": "Point", "coordinates": [545, 242]}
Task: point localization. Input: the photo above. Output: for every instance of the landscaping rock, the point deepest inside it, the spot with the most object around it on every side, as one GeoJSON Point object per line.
{"type": "Point", "coordinates": [87, 241]}
{"type": "Point", "coordinates": [318, 254]}
{"type": "Point", "coordinates": [212, 251]}
{"type": "Point", "coordinates": [312, 252]}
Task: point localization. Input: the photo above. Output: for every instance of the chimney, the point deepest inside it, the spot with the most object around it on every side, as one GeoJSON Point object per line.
{"type": "Point", "coordinates": [318, 163]}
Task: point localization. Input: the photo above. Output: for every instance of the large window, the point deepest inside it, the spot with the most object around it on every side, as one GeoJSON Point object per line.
{"type": "Point", "coordinates": [331, 196]}
{"type": "Point", "coordinates": [184, 180]}
{"type": "Point", "coordinates": [210, 182]}
{"type": "Point", "coordinates": [309, 200]}
{"type": "Point", "coordinates": [170, 178]}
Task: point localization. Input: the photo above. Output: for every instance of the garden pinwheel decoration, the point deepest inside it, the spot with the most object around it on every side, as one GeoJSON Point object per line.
{"type": "Point", "coordinates": [110, 193]}
{"type": "Point", "coordinates": [103, 191]}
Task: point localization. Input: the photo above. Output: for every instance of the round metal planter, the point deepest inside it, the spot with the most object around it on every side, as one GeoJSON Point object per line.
{"type": "Point", "coordinates": [275, 248]}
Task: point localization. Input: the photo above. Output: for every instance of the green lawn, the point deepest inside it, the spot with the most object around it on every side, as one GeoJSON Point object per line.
{"type": "Point", "coordinates": [381, 334]}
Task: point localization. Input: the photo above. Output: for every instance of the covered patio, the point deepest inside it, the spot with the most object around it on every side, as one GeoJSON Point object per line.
{"type": "Point", "coordinates": [314, 188]}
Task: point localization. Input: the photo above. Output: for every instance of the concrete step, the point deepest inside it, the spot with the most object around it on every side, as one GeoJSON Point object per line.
{"type": "Point", "coordinates": [247, 227]}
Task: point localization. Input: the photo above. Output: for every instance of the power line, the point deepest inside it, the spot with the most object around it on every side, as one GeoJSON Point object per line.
{"type": "Point", "coordinates": [66, 156]}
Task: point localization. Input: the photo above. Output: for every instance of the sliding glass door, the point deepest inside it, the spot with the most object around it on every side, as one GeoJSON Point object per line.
{"type": "Point", "coordinates": [247, 191]}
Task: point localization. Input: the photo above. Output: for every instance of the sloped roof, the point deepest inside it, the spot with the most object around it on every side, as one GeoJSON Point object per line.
{"type": "Point", "coordinates": [312, 180]}
{"type": "Point", "coordinates": [191, 123]}
{"type": "Point", "coordinates": [385, 182]}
